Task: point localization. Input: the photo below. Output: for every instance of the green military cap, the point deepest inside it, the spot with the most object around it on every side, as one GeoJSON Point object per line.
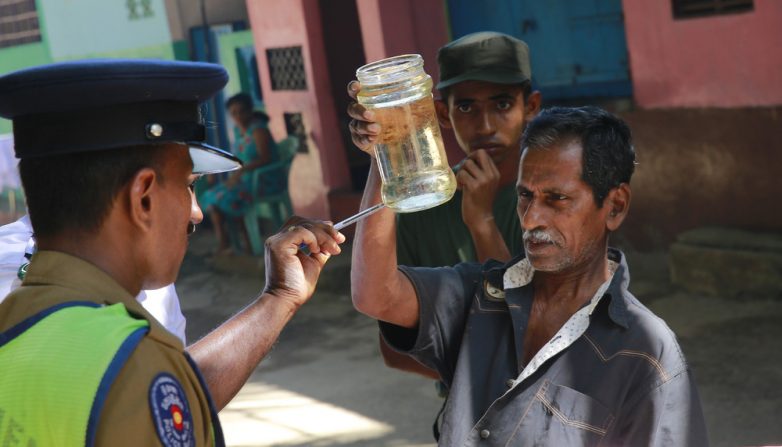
{"type": "Point", "coordinates": [484, 56]}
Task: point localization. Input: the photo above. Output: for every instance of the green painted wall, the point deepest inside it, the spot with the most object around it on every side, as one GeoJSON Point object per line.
{"type": "Point", "coordinates": [102, 29]}
{"type": "Point", "coordinates": [79, 28]}
{"type": "Point", "coordinates": [227, 45]}
{"type": "Point", "coordinates": [164, 51]}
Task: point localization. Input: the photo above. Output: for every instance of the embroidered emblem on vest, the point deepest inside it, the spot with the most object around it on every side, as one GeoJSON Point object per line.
{"type": "Point", "coordinates": [171, 412]}
{"type": "Point", "coordinates": [492, 293]}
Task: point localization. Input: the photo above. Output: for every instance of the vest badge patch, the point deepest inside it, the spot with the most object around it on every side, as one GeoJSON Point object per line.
{"type": "Point", "coordinates": [171, 412]}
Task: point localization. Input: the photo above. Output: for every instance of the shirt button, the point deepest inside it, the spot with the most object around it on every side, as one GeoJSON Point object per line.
{"type": "Point", "coordinates": [485, 434]}
{"type": "Point", "coordinates": [510, 383]}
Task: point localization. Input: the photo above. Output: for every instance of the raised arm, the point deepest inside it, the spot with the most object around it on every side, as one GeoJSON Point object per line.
{"type": "Point", "coordinates": [379, 289]}
{"type": "Point", "coordinates": [229, 354]}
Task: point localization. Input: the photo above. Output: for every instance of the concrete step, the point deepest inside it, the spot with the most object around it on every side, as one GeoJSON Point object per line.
{"type": "Point", "coordinates": [728, 263]}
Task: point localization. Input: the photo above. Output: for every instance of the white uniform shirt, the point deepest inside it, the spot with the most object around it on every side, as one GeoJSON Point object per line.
{"type": "Point", "coordinates": [16, 239]}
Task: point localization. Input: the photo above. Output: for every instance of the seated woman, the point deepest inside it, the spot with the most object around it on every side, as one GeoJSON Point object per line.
{"type": "Point", "coordinates": [254, 145]}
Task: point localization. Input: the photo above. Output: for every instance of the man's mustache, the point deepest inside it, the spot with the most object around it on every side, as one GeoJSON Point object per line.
{"type": "Point", "coordinates": [538, 236]}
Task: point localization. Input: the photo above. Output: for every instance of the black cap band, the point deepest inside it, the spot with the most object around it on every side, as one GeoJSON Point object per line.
{"type": "Point", "coordinates": [107, 127]}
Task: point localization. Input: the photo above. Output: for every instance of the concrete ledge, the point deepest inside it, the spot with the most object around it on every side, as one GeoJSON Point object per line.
{"type": "Point", "coordinates": [728, 263]}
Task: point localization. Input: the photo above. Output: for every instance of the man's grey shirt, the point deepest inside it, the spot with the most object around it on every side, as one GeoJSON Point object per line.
{"type": "Point", "coordinates": [623, 382]}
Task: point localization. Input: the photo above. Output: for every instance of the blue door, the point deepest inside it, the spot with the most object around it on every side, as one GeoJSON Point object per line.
{"type": "Point", "coordinates": [577, 47]}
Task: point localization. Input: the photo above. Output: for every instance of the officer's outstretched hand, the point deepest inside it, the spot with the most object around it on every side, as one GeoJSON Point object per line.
{"type": "Point", "coordinates": [291, 272]}
{"type": "Point", "coordinates": [364, 131]}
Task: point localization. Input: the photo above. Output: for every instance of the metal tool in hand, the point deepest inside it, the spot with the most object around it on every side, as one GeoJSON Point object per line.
{"type": "Point", "coordinates": [358, 216]}
{"type": "Point", "coordinates": [352, 219]}
{"type": "Point", "coordinates": [373, 209]}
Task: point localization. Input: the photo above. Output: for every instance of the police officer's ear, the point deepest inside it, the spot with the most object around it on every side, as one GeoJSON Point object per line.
{"type": "Point", "coordinates": [617, 204]}
{"type": "Point", "coordinates": [141, 197]}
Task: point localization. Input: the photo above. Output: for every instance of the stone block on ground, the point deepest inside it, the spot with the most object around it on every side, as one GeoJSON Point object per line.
{"type": "Point", "coordinates": [728, 263]}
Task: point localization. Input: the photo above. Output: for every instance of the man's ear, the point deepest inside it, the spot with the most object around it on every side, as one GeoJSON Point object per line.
{"type": "Point", "coordinates": [441, 107]}
{"type": "Point", "coordinates": [142, 198]}
{"type": "Point", "coordinates": [532, 105]}
{"type": "Point", "coordinates": [618, 204]}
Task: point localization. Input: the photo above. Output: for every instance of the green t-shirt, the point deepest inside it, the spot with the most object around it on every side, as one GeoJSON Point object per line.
{"type": "Point", "coordinates": [438, 237]}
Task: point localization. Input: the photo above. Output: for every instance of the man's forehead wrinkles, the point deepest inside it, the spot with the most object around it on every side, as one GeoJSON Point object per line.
{"type": "Point", "coordinates": [549, 179]}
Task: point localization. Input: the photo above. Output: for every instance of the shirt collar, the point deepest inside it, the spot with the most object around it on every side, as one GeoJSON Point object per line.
{"type": "Point", "coordinates": [519, 273]}
{"type": "Point", "coordinates": [53, 268]}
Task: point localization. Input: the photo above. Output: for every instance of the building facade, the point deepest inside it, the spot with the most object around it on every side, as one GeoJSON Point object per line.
{"type": "Point", "coordinates": [35, 32]}
{"type": "Point", "coordinates": [699, 82]}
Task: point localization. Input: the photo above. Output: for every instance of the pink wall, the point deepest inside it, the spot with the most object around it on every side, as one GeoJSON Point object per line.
{"type": "Point", "coordinates": [718, 61]}
{"type": "Point", "coordinates": [390, 28]}
{"type": "Point", "coordinates": [403, 26]}
{"type": "Point", "coordinates": [297, 23]}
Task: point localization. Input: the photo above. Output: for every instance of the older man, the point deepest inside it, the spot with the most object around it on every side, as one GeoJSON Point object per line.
{"type": "Point", "coordinates": [550, 348]}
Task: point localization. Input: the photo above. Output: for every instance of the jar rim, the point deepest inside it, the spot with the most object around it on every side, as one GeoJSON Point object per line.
{"type": "Point", "coordinates": [392, 69]}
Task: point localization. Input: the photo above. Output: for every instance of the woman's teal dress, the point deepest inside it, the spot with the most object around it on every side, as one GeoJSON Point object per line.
{"type": "Point", "coordinates": [234, 201]}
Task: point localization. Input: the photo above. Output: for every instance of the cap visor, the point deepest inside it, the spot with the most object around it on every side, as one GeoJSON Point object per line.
{"type": "Point", "coordinates": [211, 160]}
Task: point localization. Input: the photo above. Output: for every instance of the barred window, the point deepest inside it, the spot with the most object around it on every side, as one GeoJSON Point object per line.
{"type": "Point", "coordinates": [685, 9]}
{"type": "Point", "coordinates": [286, 67]}
{"type": "Point", "coordinates": [18, 23]}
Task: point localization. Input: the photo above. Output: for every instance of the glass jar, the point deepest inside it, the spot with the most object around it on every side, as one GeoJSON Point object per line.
{"type": "Point", "coordinates": [410, 153]}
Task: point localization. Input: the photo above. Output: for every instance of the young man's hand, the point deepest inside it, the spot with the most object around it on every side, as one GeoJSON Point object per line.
{"type": "Point", "coordinates": [363, 129]}
{"type": "Point", "coordinates": [479, 180]}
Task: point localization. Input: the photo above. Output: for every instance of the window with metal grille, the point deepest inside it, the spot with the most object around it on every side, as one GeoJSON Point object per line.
{"type": "Point", "coordinates": [18, 23]}
{"type": "Point", "coordinates": [286, 67]}
{"type": "Point", "coordinates": [685, 9]}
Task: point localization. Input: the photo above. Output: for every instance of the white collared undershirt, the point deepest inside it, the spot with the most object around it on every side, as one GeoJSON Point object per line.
{"type": "Point", "coordinates": [520, 274]}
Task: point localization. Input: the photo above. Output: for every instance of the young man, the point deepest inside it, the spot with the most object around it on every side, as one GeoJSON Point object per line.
{"type": "Point", "coordinates": [550, 348]}
{"type": "Point", "coordinates": [486, 99]}
{"type": "Point", "coordinates": [109, 151]}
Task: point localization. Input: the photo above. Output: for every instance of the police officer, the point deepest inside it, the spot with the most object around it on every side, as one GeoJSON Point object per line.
{"type": "Point", "coordinates": [109, 151]}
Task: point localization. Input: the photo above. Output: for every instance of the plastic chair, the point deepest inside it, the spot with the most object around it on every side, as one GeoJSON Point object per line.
{"type": "Point", "coordinates": [274, 207]}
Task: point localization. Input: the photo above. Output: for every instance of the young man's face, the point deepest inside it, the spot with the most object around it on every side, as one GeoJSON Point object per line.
{"type": "Point", "coordinates": [563, 227]}
{"type": "Point", "coordinates": [489, 116]}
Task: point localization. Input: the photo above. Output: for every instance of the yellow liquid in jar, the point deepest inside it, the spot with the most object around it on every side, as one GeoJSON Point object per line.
{"type": "Point", "coordinates": [411, 157]}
